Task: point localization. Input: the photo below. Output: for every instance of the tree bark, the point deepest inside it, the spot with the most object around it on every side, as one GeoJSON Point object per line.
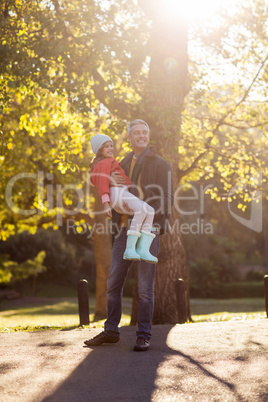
{"type": "Point", "coordinates": [103, 254]}
{"type": "Point", "coordinates": [171, 266]}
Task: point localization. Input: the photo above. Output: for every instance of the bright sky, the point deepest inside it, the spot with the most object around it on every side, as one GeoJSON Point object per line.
{"type": "Point", "coordinates": [188, 9]}
{"type": "Point", "coordinates": [195, 9]}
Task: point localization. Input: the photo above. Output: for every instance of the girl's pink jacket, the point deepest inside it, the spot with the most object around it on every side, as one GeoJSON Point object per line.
{"type": "Point", "coordinates": [100, 175]}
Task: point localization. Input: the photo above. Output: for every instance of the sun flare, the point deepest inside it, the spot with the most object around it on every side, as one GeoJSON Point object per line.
{"type": "Point", "coordinates": [194, 9]}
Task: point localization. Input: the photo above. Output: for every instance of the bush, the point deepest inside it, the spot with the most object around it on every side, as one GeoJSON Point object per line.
{"type": "Point", "coordinates": [204, 278]}
{"type": "Point", "coordinates": [223, 253]}
{"type": "Point", "coordinates": [241, 289]}
{"type": "Point", "coordinates": [11, 271]}
{"type": "Point", "coordinates": [60, 260]}
{"type": "Point", "coordinates": [254, 276]}
{"type": "Point", "coordinates": [232, 290]}
{"type": "Point", "coordinates": [208, 276]}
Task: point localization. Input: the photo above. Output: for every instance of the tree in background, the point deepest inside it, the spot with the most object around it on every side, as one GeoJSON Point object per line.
{"type": "Point", "coordinates": [70, 68]}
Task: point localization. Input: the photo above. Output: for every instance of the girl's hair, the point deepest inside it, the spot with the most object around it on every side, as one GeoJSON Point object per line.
{"type": "Point", "coordinates": [98, 157]}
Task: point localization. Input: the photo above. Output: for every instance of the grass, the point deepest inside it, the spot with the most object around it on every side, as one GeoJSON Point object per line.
{"type": "Point", "coordinates": [227, 309]}
{"type": "Point", "coordinates": [49, 314]}
{"type": "Point", "coordinates": [62, 313]}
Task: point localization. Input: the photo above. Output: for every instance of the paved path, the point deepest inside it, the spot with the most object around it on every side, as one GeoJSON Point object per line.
{"type": "Point", "coordinates": [226, 361]}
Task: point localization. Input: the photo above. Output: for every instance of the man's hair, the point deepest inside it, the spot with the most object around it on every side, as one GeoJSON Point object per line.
{"type": "Point", "coordinates": [134, 122]}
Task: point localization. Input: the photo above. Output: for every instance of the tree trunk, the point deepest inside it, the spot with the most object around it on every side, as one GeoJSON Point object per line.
{"type": "Point", "coordinates": [171, 266]}
{"type": "Point", "coordinates": [168, 84]}
{"type": "Point", "coordinates": [103, 254]}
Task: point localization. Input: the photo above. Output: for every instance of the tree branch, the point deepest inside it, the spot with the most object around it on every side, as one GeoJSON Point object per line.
{"type": "Point", "coordinates": [67, 31]}
{"type": "Point", "coordinates": [117, 106]}
{"type": "Point", "coordinates": [233, 125]}
{"type": "Point", "coordinates": [222, 122]}
{"type": "Point", "coordinates": [253, 82]}
{"type": "Point", "coordinates": [181, 173]}
{"type": "Point", "coordinates": [5, 11]}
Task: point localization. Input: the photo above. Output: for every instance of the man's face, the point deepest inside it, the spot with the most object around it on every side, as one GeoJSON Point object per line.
{"type": "Point", "coordinates": [139, 137]}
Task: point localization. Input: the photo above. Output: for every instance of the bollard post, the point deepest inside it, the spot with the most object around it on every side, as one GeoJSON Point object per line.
{"type": "Point", "coordinates": [83, 303]}
{"type": "Point", "coordinates": [181, 300]}
{"type": "Point", "coordinates": [266, 293]}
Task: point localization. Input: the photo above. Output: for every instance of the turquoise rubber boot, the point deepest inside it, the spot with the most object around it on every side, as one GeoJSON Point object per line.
{"type": "Point", "coordinates": [130, 252]}
{"type": "Point", "coordinates": [144, 245]}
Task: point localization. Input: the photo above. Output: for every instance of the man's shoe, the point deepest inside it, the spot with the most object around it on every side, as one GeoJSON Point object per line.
{"type": "Point", "coordinates": [102, 338]}
{"type": "Point", "coordinates": [142, 345]}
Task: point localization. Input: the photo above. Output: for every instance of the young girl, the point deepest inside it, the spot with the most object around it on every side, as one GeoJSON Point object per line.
{"type": "Point", "coordinates": [114, 196]}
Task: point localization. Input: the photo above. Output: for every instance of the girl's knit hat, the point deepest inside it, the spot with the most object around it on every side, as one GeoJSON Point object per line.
{"type": "Point", "coordinates": [98, 140]}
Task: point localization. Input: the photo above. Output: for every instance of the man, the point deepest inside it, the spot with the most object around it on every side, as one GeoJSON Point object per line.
{"type": "Point", "coordinates": [151, 176]}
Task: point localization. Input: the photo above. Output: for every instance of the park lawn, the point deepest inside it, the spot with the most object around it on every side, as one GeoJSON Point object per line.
{"type": "Point", "coordinates": [63, 313]}
{"type": "Point", "coordinates": [211, 310]}
{"type": "Point", "coordinates": [210, 306]}
{"type": "Point", "coordinates": [49, 314]}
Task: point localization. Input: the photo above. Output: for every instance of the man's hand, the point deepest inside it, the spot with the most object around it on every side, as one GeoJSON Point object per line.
{"type": "Point", "coordinates": [107, 209]}
{"type": "Point", "coordinates": [126, 208]}
{"type": "Point", "coordinates": [117, 180]}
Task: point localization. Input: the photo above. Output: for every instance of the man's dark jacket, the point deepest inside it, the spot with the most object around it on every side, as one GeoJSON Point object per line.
{"type": "Point", "coordinates": [157, 186]}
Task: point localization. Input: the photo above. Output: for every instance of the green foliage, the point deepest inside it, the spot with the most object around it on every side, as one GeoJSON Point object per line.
{"type": "Point", "coordinates": [207, 275]}
{"type": "Point", "coordinates": [224, 256]}
{"type": "Point", "coordinates": [204, 278]}
{"type": "Point", "coordinates": [224, 129]}
{"type": "Point", "coordinates": [83, 48]}
{"type": "Point", "coordinates": [247, 247]}
{"type": "Point", "coordinates": [69, 69]}
{"type": "Point", "coordinates": [254, 276]}
{"type": "Point", "coordinates": [6, 268]}
{"type": "Point", "coordinates": [57, 74]}
{"type": "Point", "coordinates": [59, 258]}
{"type": "Point", "coordinates": [205, 283]}
{"type": "Point", "coordinates": [241, 289]}
{"type": "Point", "coordinates": [12, 271]}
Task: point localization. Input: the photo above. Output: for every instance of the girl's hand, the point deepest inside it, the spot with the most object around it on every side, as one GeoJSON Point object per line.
{"type": "Point", "coordinates": [107, 209]}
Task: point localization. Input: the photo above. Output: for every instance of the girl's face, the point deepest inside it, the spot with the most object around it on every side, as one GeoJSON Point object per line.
{"type": "Point", "coordinates": [108, 149]}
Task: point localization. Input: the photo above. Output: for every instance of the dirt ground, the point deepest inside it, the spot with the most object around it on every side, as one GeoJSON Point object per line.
{"type": "Point", "coordinates": [224, 361]}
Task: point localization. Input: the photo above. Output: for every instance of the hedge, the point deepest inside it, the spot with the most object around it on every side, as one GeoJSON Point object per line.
{"type": "Point", "coordinates": [232, 290]}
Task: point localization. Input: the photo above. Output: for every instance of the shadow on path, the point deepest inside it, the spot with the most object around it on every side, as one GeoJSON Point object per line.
{"type": "Point", "coordinates": [113, 372]}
